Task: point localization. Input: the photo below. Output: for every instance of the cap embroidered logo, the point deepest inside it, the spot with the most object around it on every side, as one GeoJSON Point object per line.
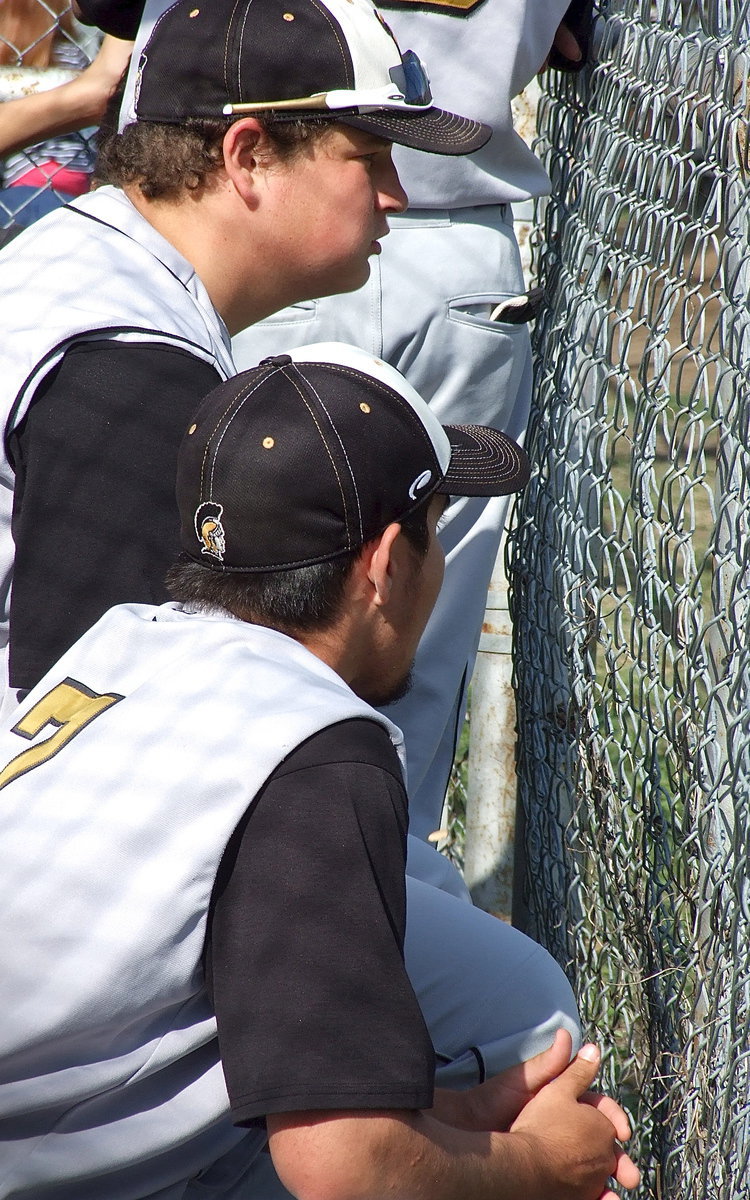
{"type": "Point", "coordinates": [420, 482]}
{"type": "Point", "coordinates": [210, 530]}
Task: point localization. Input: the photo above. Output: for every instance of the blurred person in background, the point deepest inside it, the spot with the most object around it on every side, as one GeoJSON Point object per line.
{"type": "Point", "coordinates": [46, 123]}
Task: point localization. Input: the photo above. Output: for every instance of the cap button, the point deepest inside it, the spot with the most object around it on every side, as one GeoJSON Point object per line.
{"type": "Point", "coordinates": [276, 360]}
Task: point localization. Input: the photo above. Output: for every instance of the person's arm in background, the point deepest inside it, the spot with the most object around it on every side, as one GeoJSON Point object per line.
{"type": "Point", "coordinates": [66, 108]}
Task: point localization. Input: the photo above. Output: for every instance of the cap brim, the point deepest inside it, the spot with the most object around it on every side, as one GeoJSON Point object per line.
{"type": "Point", "coordinates": [433, 130]}
{"type": "Point", "coordinates": [484, 462]}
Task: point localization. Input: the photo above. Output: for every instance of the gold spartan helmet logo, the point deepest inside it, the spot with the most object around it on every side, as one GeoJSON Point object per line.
{"type": "Point", "coordinates": [210, 530]}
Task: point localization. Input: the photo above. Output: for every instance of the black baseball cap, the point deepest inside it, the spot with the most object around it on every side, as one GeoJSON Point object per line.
{"type": "Point", "coordinates": [311, 454]}
{"type": "Point", "coordinates": [295, 58]}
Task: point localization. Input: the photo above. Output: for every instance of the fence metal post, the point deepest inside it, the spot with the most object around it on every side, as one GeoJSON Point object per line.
{"type": "Point", "coordinates": [491, 792]}
{"type": "Point", "coordinates": [491, 797]}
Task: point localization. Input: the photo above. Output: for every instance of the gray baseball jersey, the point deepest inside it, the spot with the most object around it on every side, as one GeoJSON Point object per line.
{"type": "Point", "coordinates": [126, 282]}
{"type": "Point", "coordinates": [123, 777]}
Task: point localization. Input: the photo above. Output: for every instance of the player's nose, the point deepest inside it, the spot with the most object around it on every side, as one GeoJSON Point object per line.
{"type": "Point", "coordinates": [391, 195]}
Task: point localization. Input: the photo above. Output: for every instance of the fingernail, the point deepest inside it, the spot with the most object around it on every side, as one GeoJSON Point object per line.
{"type": "Point", "coordinates": [590, 1052]}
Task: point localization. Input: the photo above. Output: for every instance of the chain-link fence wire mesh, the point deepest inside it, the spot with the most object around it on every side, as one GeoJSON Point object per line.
{"type": "Point", "coordinates": [630, 575]}
{"type": "Point", "coordinates": [42, 46]}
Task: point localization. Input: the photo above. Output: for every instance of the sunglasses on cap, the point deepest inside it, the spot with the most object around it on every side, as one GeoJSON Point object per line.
{"type": "Point", "coordinates": [410, 87]}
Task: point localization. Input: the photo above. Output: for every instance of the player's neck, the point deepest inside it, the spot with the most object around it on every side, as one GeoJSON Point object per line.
{"type": "Point", "coordinates": [209, 229]}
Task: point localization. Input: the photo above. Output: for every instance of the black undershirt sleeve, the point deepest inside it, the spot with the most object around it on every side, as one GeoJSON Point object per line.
{"type": "Point", "coordinates": [94, 513]}
{"type": "Point", "coordinates": [304, 956]}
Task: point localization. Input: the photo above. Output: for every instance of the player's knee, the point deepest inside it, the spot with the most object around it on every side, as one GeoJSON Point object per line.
{"type": "Point", "coordinates": [486, 990]}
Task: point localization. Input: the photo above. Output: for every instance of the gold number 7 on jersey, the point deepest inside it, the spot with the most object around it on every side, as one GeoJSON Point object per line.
{"type": "Point", "coordinates": [70, 707]}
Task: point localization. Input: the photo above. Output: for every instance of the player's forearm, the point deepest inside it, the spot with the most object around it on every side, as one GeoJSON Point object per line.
{"type": "Point", "coordinates": [442, 1162]}
{"type": "Point", "coordinates": [32, 118]}
{"type": "Point", "coordinates": [562, 1143]}
{"type": "Point", "coordinates": [457, 1109]}
{"type": "Point", "coordinates": [437, 1161]}
{"type": "Point", "coordinates": [413, 1157]}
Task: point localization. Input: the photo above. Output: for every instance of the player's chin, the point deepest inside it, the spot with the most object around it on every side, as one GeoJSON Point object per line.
{"type": "Point", "coordinates": [380, 696]}
{"type": "Point", "coordinates": [355, 276]}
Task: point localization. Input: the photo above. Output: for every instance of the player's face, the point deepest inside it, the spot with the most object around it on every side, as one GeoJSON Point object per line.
{"type": "Point", "coordinates": [331, 202]}
{"type": "Point", "coordinates": [430, 571]}
{"type": "Point", "coordinates": [409, 615]}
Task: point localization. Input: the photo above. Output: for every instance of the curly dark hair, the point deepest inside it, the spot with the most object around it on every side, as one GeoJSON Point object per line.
{"type": "Point", "coordinates": [166, 160]}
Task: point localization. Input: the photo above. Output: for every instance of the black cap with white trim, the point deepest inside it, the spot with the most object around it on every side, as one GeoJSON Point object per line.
{"type": "Point", "coordinates": [311, 454]}
{"type": "Point", "coordinates": [294, 58]}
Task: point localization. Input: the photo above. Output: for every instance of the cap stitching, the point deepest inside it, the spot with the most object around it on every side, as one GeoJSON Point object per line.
{"type": "Point", "coordinates": [239, 402]}
{"type": "Point", "coordinates": [407, 125]}
{"type": "Point", "coordinates": [165, 14]}
{"type": "Point", "coordinates": [391, 393]}
{"type": "Point", "coordinates": [322, 438]}
{"type": "Point", "coordinates": [325, 13]}
{"type": "Point", "coordinates": [241, 398]}
{"type": "Point", "coordinates": [141, 63]}
{"type": "Point", "coordinates": [454, 132]}
{"type": "Point", "coordinates": [227, 88]}
{"type": "Point", "coordinates": [486, 438]}
{"type": "Point", "coordinates": [322, 404]}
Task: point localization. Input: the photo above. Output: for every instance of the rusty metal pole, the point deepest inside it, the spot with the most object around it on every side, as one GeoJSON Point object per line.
{"type": "Point", "coordinates": [491, 792]}
{"type": "Point", "coordinates": [489, 846]}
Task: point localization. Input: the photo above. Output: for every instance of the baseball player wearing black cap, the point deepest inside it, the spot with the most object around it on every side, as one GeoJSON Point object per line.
{"type": "Point", "coordinates": [256, 171]}
{"type": "Point", "coordinates": [179, 792]}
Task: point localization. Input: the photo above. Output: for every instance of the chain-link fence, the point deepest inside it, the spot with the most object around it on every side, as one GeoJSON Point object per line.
{"type": "Point", "coordinates": [630, 569]}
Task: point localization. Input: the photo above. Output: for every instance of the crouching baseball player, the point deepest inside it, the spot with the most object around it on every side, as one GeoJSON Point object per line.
{"type": "Point", "coordinates": [203, 828]}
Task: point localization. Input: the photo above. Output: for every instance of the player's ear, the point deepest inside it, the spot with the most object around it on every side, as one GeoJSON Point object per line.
{"type": "Point", "coordinates": [382, 564]}
{"type": "Point", "coordinates": [245, 148]}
